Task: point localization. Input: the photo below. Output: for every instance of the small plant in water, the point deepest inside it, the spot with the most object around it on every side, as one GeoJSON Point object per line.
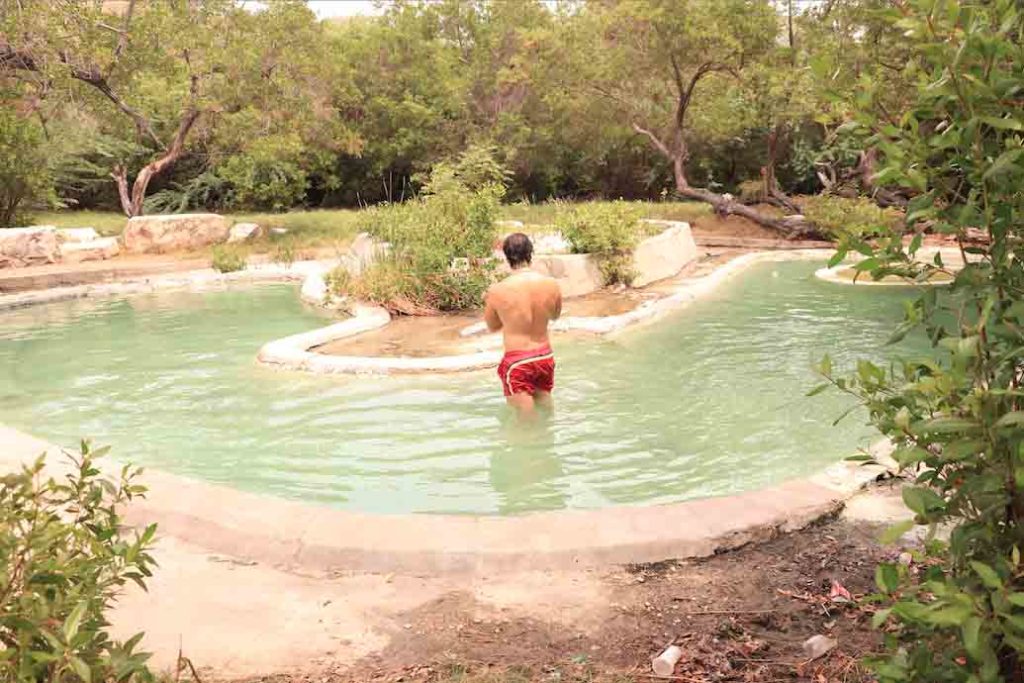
{"type": "Point", "coordinates": [66, 556]}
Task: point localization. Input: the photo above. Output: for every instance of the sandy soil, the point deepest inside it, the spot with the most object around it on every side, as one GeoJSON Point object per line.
{"type": "Point", "coordinates": [739, 616]}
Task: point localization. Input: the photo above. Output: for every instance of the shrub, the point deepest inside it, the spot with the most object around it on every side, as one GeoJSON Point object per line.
{"type": "Point", "coordinates": [842, 219]}
{"type": "Point", "coordinates": [610, 231]}
{"type": "Point", "coordinates": [956, 418]}
{"type": "Point", "coordinates": [338, 281]}
{"type": "Point", "coordinates": [228, 258]}
{"type": "Point", "coordinates": [427, 235]}
{"type": "Point", "coordinates": [284, 253]}
{"type": "Point", "coordinates": [65, 557]}
{"type": "Point", "coordinates": [25, 176]}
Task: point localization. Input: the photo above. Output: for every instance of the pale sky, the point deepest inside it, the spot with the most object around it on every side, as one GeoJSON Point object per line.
{"type": "Point", "coordinates": [343, 8]}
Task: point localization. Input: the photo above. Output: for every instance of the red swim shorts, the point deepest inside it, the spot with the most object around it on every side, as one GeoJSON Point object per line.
{"type": "Point", "coordinates": [527, 372]}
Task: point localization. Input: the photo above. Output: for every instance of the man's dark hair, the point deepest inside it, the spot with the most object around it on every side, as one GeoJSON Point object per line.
{"type": "Point", "coordinates": [518, 249]}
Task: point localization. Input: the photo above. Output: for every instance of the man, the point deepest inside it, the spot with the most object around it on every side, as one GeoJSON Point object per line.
{"type": "Point", "coordinates": [521, 306]}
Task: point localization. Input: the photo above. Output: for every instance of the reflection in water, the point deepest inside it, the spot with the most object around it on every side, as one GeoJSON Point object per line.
{"type": "Point", "coordinates": [525, 471]}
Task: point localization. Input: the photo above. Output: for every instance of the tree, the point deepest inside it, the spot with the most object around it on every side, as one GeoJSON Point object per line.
{"type": "Point", "coordinates": [25, 174]}
{"type": "Point", "coordinates": [956, 418]}
{"type": "Point", "coordinates": [172, 71]}
{"type": "Point", "coordinates": [856, 50]}
{"type": "Point", "coordinates": [671, 70]}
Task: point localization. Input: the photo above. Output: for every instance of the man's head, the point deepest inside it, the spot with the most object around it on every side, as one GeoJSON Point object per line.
{"type": "Point", "coordinates": [518, 250]}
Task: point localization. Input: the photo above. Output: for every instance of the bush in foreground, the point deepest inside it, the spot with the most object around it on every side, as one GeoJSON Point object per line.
{"type": "Point", "coordinates": [956, 417]}
{"type": "Point", "coordinates": [65, 557]}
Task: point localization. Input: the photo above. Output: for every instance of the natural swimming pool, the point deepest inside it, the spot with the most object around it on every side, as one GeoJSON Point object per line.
{"type": "Point", "coordinates": [706, 402]}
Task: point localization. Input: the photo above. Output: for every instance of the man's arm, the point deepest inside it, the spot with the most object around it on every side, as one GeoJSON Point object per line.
{"type": "Point", "coordinates": [491, 314]}
{"type": "Point", "coordinates": [556, 309]}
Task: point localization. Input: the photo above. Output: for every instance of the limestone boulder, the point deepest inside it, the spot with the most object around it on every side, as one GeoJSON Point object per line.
{"type": "Point", "coordinates": [66, 235]}
{"type": "Point", "coordinates": [577, 274]}
{"type": "Point", "coordinates": [664, 255]}
{"type": "Point", "coordinates": [243, 232]}
{"type": "Point", "coordinates": [551, 243]}
{"type": "Point", "coordinates": [158, 234]}
{"type": "Point", "coordinates": [30, 246]}
{"type": "Point", "coordinates": [363, 253]}
{"type": "Point", "coordinates": [98, 249]}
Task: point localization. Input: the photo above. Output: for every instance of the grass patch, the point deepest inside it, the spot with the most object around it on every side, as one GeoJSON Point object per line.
{"type": "Point", "coordinates": [305, 229]}
{"type": "Point", "coordinates": [335, 228]}
{"type": "Point", "coordinates": [106, 223]}
{"type": "Point", "coordinates": [546, 213]}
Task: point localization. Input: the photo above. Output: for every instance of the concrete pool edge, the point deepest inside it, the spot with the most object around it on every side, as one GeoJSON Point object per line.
{"type": "Point", "coordinates": [295, 535]}
{"type": "Point", "coordinates": [296, 353]}
{"type": "Point", "coordinates": [196, 280]}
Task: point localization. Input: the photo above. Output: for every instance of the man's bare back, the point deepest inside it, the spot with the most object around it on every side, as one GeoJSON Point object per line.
{"type": "Point", "coordinates": [521, 306]}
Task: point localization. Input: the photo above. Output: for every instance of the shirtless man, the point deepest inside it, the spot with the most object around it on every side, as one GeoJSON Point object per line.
{"type": "Point", "coordinates": [521, 306]}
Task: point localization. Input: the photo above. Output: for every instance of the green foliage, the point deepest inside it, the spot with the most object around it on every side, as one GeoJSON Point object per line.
{"type": "Point", "coordinates": [338, 281]}
{"type": "Point", "coordinates": [227, 258]}
{"type": "Point", "coordinates": [844, 219]}
{"type": "Point", "coordinates": [271, 173]}
{"type": "Point", "coordinates": [610, 231]}
{"type": "Point", "coordinates": [206, 191]}
{"type": "Point", "coordinates": [26, 180]}
{"type": "Point", "coordinates": [66, 556]}
{"type": "Point", "coordinates": [956, 419]}
{"type": "Point", "coordinates": [439, 244]}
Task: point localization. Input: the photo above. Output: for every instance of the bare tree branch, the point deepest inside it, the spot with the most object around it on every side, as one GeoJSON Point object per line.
{"type": "Point", "coordinates": [122, 39]}
{"type": "Point", "coordinates": [662, 147]}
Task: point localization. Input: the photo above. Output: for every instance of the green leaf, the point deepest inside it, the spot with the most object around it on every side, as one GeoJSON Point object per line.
{"type": "Point", "coordinates": [819, 389]}
{"type": "Point", "coordinates": [74, 620]}
{"type": "Point", "coordinates": [1001, 123]}
{"type": "Point", "coordinates": [82, 669]}
{"type": "Point", "coordinates": [867, 264]}
{"type": "Point", "coordinates": [896, 531]}
{"type": "Point", "coordinates": [1012, 419]}
{"type": "Point", "coordinates": [988, 575]}
{"type": "Point", "coordinates": [887, 577]}
{"type": "Point", "coordinates": [837, 258]}
{"type": "Point", "coordinates": [880, 617]}
{"type": "Point", "coordinates": [1016, 599]}
{"type": "Point", "coordinates": [922, 501]}
{"type": "Point", "coordinates": [970, 632]}
{"type": "Point", "coordinates": [1005, 162]}
{"type": "Point", "coordinates": [945, 425]}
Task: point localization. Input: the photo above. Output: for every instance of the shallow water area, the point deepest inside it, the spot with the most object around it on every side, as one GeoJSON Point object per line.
{"type": "Point", "coordinates": [708, 401]}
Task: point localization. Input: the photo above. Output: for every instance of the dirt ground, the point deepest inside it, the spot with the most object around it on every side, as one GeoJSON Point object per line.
{"type": "Point", "coordinates": [738, 616]}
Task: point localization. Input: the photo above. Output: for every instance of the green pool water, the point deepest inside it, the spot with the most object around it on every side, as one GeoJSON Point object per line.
{"type": "Point", "coordinates": [709, 401]}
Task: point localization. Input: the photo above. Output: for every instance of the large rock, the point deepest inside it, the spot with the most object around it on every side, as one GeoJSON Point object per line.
{"type": "Point", "coordinates": [551, 243]}
{"type": "Point", "coordinates": [157, 234]}
{"type": "Point", "coordinates": [577, 274]}
{"type": "Point", "coordinates": [66, 235]}
{"type": "Point", "coordinates": [242, 232]}
{"type": "Point", "coordinates": [363, 253]}
{"type": "Point", "coordinates": [31, 246]}
{"type": "Point", "coordinates": [98, 249]}
{"type": "Point", "coordinates": [664, 255]}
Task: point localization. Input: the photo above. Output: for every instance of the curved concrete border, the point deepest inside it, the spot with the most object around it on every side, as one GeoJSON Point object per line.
{"type": "Point", "coordinates": [196, 280]}
{"type": "Point", "coordinates": [295, 352]}
{"type": "Point", "coordinates": [299, 535]}
{"type": "Point", "coordinates": [833, 275]}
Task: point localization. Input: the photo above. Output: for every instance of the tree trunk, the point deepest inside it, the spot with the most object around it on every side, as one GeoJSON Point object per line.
{"type": "Point", "coordinates": [132, 204]}
{"type": "Point", "coordinates": [725, 205]}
